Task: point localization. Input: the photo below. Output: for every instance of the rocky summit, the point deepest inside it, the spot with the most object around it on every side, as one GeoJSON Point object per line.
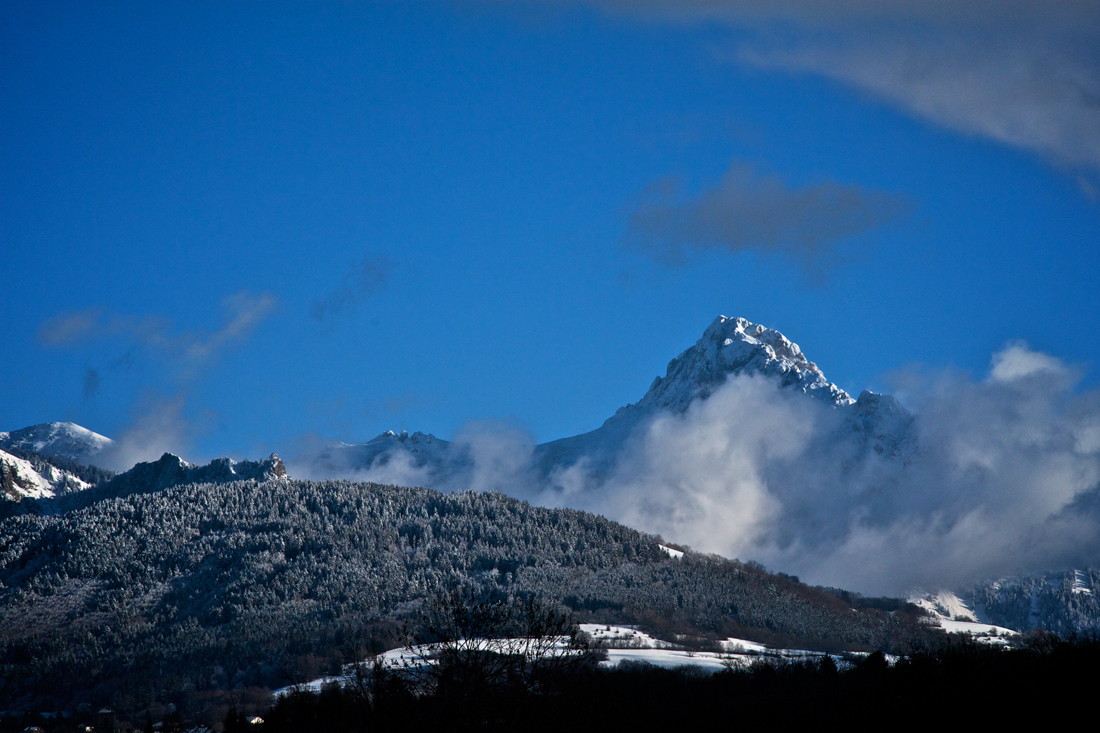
{"type": "Point", "coordinates": [732, 346]}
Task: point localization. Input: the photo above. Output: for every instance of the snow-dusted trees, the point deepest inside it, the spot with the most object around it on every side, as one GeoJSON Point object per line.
{"type": "Point", "coordinates": [251, 576]}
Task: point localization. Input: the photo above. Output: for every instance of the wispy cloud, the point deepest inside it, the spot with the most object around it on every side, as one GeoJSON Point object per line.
{"type": "Point", "coordinates": [159, 426]}
{"type": "Point", "coordinates": [363, 280]}
{"type": "Point", "coordinates": [746, 211]}
{"type": "Point", "coordinates": [243, 312]}
{"type": "Point", "coordinates": [67, 329]}
{"type": "Point", "coordinates": [91, 382]}
{"type": "Point", "coordinates": [1025, 73]}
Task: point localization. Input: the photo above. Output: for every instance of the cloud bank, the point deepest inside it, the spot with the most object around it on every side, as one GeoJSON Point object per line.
{"type": "Point", "coordinates": [990, 477]}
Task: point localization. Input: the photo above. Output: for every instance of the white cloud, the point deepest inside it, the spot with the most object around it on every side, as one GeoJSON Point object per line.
{"type": "Point", "coordinates": [985, 483]}
{"type": "Point", "coordinates": [500, 453]}
{"type": "Point", "coordinates": [1025, 73]}
{"type": "Point", "coordinates": [1017, 361]}
{"type": "Point", "coordinates": [701, 477]}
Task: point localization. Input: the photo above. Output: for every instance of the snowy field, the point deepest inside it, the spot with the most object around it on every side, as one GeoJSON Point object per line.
{"type": "Point", "coordinates": [622, 644]}
{"type": "Point", "coordinates": [985, 633]}
{"type": "Point", "coordinates": [631, 645]}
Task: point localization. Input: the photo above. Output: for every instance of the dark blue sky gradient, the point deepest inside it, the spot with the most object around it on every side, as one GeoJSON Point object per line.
{"type": "Point", "coordinates": [157, 159]}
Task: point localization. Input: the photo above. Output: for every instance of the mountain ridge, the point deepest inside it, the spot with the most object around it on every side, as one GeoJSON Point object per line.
{"type": "Point", "coordinates": [729, 347]}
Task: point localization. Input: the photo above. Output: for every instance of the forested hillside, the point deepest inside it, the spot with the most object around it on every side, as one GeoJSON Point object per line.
{"type": "Point", "coordinates": [1066, 603]}
{"type": "Point", "coordinates": [169, 596]}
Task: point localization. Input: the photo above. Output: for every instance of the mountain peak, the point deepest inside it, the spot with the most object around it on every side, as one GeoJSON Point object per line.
{"type": "Point", "coordinates": [57, 440]}
{"type": "Point", "coordinates": [738, 346]}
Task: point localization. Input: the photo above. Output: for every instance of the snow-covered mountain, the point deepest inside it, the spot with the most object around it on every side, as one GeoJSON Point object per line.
{"type": "Point", "coordinates": [732, 346]}
{"type": "Point", "coordinates": [728, 347]}
{"type": "Point", "coordinates": [27, 476]}
{"type": "Point", "coordinates": [49, 461]}
{"type": "Point", "coordinates": [58, 440]}
{"type": "Point", "coordinates": [48, 489]}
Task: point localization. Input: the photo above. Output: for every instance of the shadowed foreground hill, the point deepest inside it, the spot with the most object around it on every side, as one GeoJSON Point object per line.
{"type": "Point", "coordinates": [157, 597]}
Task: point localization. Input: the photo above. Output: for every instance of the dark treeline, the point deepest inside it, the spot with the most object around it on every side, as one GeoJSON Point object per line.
{"type": "Point", "coordinates": [201, 595]}
{"type": "Point", "coordinates": [955, 684]}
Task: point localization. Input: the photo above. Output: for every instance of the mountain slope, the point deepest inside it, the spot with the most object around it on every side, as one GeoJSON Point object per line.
{"type": "Point", "coordinates": [1066, 602]}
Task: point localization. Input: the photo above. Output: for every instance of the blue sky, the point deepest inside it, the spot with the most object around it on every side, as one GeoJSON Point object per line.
{"type": "Point", "coordinates": [246, 223]}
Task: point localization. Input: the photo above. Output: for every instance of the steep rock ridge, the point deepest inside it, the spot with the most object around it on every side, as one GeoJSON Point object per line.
{"type": "Point", "coordinates": [171, 470]}
{"type": "Point", "coordinates": [57, 440]}
{"type": "Point", "coordinates": [733, 346]}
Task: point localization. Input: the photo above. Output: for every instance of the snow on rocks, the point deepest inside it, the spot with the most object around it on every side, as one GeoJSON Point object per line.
{"type": "Point", "coordinates": [735, 346]}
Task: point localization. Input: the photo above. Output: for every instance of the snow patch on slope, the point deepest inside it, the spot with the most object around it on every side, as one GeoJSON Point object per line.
{"type": "Point", "coordinates": [944, 605]}
{"type": "Point", "coordinates": [21, 479]}
{"type": "Point", "coordinates": [673, 553]}
{"type": "Point", "coordinates": [952, 614]}
{"type": "Point", "coordinates": [620, 643]}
